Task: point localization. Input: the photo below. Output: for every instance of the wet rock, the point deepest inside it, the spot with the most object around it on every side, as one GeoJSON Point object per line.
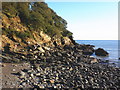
{"type": "Point", "coordinates": [106, 61]}
{"type": "Point", "coordinates": [101, 52]}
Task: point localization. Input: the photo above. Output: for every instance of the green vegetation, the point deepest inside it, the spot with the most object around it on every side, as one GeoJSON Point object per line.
{"type": "Point", "coordinates": [13, 32]}
{"type": "Point", "coordinates": [38, 18]}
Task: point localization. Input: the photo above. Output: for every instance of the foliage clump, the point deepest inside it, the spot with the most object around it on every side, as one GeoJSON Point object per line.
{"type": "Point", "coordinates": [12, 32]}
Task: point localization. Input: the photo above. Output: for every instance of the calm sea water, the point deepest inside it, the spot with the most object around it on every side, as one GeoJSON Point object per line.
{"type": "Point", "coordinates": [111, 46]}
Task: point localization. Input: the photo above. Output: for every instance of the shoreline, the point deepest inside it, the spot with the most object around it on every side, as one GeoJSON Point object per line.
{"type": "Point", "coordinates": [111, 46]}
{"type": "Point", "coordinates": [63, 67]}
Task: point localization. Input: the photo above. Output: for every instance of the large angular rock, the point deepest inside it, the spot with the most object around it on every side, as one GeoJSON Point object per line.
{"type": "Point", "coordinates": [41, 49]}
{"type": "Point", "coordinates": [101, 52]}
{"type": "Point", "coordinates": [87, 49]}
{"type": "Point", "coordinates": [94, 60]}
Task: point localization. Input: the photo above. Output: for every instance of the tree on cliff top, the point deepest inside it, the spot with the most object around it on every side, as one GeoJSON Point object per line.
{"type": "Point", "coordinates": [37, 17]}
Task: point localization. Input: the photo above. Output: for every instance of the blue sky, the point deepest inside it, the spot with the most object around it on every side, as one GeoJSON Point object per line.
{"type": "Point", "coordinates": [89, 20]}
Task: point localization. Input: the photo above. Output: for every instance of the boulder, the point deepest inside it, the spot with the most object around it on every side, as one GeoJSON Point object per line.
{"type": "Point", "coordinates": [94, 60]}
{"type": "Point", "coordinates": [67, 47]}
{"type": "Point", "coordinates": [46, 48]}
{"type": "Point", "coordinates": [73, 41]}
{"type": "Point", "coordinates": [88, 51]}
{"type": "Point", "coordinates": [101, 52]}
{"type": "Point", "coordinates": [55, 44]}
{"type": "Point", "coordinates": [62, 41]}
{"type": "Point", "coordinates": [41, 49]}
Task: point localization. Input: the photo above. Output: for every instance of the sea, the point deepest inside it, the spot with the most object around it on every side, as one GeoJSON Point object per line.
{"type": "Point", "coordinates": [111, 46]}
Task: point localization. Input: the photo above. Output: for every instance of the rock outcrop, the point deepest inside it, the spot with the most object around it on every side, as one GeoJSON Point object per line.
{"type": "Point", "coordinates": [42, 26]}
{"type": "Point", "coordinates": [101, 52]}
{"type": "Point", "coordinates": [87, 49]}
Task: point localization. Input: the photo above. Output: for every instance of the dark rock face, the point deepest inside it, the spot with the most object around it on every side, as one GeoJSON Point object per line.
{"type": "Point", "coordinates": [55, 44]}
{"type": "Point", "coordinates": [73, 41]}
{"type": "Point", "coordinates": [62, 41]}
{"type": "Point", "coordinates": [7, 48]}
{"type": "Point", "coordinates": [87, 49]}
{"type": "Point", "coordinates": [101, 52]}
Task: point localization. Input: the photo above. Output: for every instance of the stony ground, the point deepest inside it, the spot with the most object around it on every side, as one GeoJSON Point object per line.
{"type": "Point", "coordinates": [9, 80]}
{"type": "Point", "coordinates": [60, 68]}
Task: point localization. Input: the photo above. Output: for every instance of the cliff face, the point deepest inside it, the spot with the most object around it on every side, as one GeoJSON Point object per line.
{"type": "Point", "coordinates": [33, 23]}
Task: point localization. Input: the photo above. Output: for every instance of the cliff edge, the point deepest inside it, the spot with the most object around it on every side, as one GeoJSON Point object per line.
{"type": "Point", "coordinates": [33, 23]}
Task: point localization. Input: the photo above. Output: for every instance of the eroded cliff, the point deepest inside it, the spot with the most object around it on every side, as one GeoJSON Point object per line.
{"type": "Point", "coordinates": [39, 24]}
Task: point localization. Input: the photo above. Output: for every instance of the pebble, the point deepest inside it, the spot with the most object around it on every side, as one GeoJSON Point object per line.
{"type": "Point", "coordinates": [13, 70]}
{"type": "Point", "coordinates": [38, 74]}
{"type": "Point", "coordinates": [24, 83]}
{"type": "Point", "coordinates": [31, 75]}
{"type": "Point", "coordinates": [22, 73]}
{"type": "Point", "coordinates": [52, 81]}
{"type": "Point", "coordinates": [41, 86]}
{"type": "Point", "coordinates": [3, 65]}
{"type": "Point", "coordinates": [71, 69]}
{"type": "Point", "coordinates": [94, 60]}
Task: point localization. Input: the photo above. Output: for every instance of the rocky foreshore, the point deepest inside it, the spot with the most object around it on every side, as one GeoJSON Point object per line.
{"type": "Point", "coordinates": [63, 67]}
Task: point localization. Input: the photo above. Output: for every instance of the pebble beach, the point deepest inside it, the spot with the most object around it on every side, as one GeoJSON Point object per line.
{"type": "Point", "coordinates": [60, 67]}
